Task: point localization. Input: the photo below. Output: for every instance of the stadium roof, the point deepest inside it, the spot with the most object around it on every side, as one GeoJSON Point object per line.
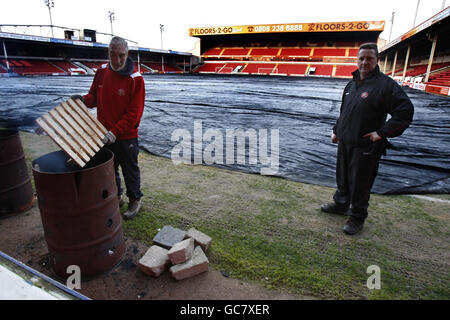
{"type": "Point", "coordinates": [351, 26]}
{"type": "Point", "coordinates": [438, 21]}
{"type": "Point", "coordinates": [78, 42]}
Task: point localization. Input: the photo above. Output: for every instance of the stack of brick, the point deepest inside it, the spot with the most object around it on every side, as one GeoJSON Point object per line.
{"type": "Point", "coordinates": [183, 252]}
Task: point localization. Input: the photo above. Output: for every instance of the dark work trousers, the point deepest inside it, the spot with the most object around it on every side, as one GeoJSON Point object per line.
{"type": "Point", "coordinates": [356, 170]}
{"type": "Point", "coordinates": [126, 155]}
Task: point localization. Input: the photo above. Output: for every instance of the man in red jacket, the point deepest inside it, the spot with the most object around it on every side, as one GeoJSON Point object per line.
{"type": "Point", "coordinates": [118, 93]}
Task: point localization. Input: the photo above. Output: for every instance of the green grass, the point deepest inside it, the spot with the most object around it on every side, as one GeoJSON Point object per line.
{"type": "Point", "coordinates": [270, 231]}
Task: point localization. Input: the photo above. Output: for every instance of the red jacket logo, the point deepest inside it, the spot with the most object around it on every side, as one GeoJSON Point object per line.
{"type": "Point", "coordinates": [364, 95]}
{"type": "Point", "coordinates": [121, 92]}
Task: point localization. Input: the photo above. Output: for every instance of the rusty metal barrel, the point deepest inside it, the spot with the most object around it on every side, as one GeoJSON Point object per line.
{"type": "Point", "coordinates": [80, 213]}
{"type": "Point", "coordinates": [16, 191]}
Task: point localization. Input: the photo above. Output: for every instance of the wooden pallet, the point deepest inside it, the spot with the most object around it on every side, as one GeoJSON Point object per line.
{"type": "Point", "coordinates": [74, 129]}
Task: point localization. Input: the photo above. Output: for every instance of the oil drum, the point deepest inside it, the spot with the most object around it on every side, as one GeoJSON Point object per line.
{"type": "Point", "coordinates": [16, 191]}
{"type": "Point", "coordinates": [80, 212]}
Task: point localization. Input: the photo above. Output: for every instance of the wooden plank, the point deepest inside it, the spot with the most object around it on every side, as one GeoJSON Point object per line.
{"type": "Point", "coordinates": [68, 140]}
{"type": "Point", "coordinates": [90, 116]}
{"type": "Point", "coordinates": [90, 135]}
{"type": "Point", "coordinates": [86, 119]}
{"type": "Point", "coordinates": [94, 119]}
{"type": "Point", "coordinates": [59, 141]}
{"type": "Point", "coordinates": [91, 147]}
{"type": "Point", "coordinates": [72, 133]}
{"type": "Point", "coordinates": [74, 129]}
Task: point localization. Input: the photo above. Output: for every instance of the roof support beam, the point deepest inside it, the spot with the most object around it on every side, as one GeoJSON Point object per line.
{"type": "Point", "coordinates": [406, 62]}
{"type": "Point", "coordinates": [385, 63]}
{"type": "Point", "coordinates": [395, 62]}
{"type": "Point", "coordinates": [430, 60]}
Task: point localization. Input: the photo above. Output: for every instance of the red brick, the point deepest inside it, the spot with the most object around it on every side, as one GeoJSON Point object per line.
{"type": "Point", "coordinates": [200, 238]}
{"type": "Point", "coordinates": [155, 261]}
{"type": "Point", "coordinates": [181, 251]}
{"type": "Point", "coordinates": [197, 264]}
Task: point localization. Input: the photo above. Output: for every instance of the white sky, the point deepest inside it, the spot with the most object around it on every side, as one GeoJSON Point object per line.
{"type": "Point", "coordinates": [139, 20]}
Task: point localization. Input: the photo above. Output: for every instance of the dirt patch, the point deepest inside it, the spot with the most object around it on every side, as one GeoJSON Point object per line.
{"type": "Point", "coordinates": [22, 237]}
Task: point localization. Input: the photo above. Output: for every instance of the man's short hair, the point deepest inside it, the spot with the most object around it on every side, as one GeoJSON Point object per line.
{"type": "Point", "coordinates": [118, 41]}
{"type": "Point", "coordinates": [371, 46]}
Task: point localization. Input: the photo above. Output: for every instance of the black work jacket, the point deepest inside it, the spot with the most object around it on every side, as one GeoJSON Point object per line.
{"type": "Point", "coordinates": [364, 109]}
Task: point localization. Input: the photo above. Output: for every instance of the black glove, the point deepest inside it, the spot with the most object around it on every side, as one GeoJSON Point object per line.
{"type": "Point", "coordinates": [109, 138]}
{"type": "Point", "coordinates": [77, 96]}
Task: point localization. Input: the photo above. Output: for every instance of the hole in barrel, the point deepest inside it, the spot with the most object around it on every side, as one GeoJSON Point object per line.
{"type": "Point", "coordinates": [105, 194]}
{"type": "Point", "coordinates": [109, 223]}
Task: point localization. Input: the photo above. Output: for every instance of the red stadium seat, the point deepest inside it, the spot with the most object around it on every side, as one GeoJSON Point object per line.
{"type": "Point", "coordinates": [319, 54]}
{"type": "Point", "coordinates": [353, 52]}
{"type": "Point", "coordinates": [210, 68]}
{"type": "Point", "coordinates": [66, 66]}
{"type": "Point", "coordinates": [329, 52]}
{"type": "Point", "coordinates": [264, 51]}
{"type": "Point", "coordinates": [213, 52]}
{"type": "Point", "coordinates": [322, 70]}
{"type": "Point", "coordinates": [441, 78]}
{"type": "Point", "coordinates": [291, 52]}
{"type": "Point", "coordinates": [345, 71]}
{"type": "Point", "coordinates": [292, 69]}
{"type": "Point", "coordinates": [25, 63]}
{"type": "Point", "coordinates": [235, 52]}
{"type": "Point", "coordinates": [260, 68]}
{"type": "Point", "coordinates": [38, 67]}
{"type": "Point", "coordinates": [230, 67]}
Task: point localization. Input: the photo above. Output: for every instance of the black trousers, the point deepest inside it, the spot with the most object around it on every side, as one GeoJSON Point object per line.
{"type": "Point", "coordinates": [356, 170]}
{"type": "Point", "coordinates": [126, 155]}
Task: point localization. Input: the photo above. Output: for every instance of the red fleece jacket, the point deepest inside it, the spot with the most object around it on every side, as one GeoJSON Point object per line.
{"type": "Point", "coordinates": [119, 100]}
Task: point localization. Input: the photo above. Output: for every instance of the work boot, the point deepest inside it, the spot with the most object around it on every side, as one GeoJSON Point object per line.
{"type": "Point", "coordinates": [334, 208]}
{"type": "Point", "coordinates": [353, 225]}
{"type": "Point", "coordinates": [133, 208]}
{"type": "Point", "coordinates": [121, 201]}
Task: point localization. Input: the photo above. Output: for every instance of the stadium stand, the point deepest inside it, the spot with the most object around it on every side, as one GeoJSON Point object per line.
{"type": "Point", "coordinates": [441, 78]}
{"type": "Point", "coordinates": [30, 53]}
{"type": "Point", "coordinates": [420, 69]}
{"type": "Point", "coordinates": [292, 69]}
{"type": "Point", "coordinates": [235, 52]}
{"type": "Point", "coordinates": [321, 70]}
{"type": "Point", "coordinates": [68, 67]}
{"type": "Point", "coordinates": [353, 52]}
{"type": "Point", "coordinates": [210, 67]}
{"type": "Point", "coordinates": [35, 67]}
{"type": "Point", "coordinates": [153, 66]}
{"type": "Point", "coordinates": [344, 71]}
{"type": "Point", "coordinates": [324, 52]}
{"type": "Point", "coordinates": [232, 68]}
{"type": "Point", "coordinates": [94, 65]}
{"type": "Point", "coordinates": [157, 67]}
{"type": "Point", "coordinates": [271, 52]}
{"type": "Point", "coordinates": [171, 69]}
{"type": "Point", "coordinates": [213, 52]}
{"type": "Point", "coordinates": [338, 56]}
{"type": "Point", "coordinates": [295, 52]}
{"type": "Point", "coordinates": [260, 68]}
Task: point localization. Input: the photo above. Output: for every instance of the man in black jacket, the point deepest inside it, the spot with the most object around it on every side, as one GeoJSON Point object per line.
{"type": "Point", "coordinates": [361, 133]}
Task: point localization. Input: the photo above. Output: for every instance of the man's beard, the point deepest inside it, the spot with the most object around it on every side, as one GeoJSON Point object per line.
{"type": "Point", "coordinates": [119, 68]}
